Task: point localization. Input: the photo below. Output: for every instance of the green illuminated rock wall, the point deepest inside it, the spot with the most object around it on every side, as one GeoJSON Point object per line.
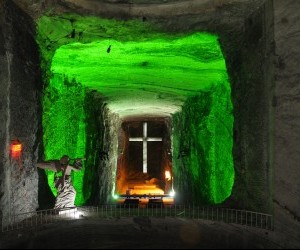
{"type": "Point", "coordinates": [142, 61]}
{"type": "Point", "coordinates": [202, 147]}
{"type": "Point", "coordinates": [94, 140]}
{"type": "Point", "coordinates": [64, 127]}
{"type": "Point", "coordinates": [77, 123]}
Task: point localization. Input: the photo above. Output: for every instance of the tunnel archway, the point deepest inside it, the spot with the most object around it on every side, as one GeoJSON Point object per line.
{"type": "Point", "coordinates": [156, 74]}
{"type": "Point", "coordinates": [246, 41]}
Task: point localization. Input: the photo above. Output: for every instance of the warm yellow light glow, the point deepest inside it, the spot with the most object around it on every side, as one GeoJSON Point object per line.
{"type": "Point", "coordinates": [168, 175]}
{"type": "Point", "coordinates": [147, 190]}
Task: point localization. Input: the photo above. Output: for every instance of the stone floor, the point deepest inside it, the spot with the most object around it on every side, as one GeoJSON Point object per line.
{"type": "Point", "coordinates": [137, 233]}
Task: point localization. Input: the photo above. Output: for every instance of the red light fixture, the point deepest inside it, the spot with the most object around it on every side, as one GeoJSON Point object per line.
{"type": "Point", "coordinates": [16, 149]}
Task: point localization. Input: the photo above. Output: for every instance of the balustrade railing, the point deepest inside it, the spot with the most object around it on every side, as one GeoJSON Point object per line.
{"type": "Point", "coordinates": [226, 215]}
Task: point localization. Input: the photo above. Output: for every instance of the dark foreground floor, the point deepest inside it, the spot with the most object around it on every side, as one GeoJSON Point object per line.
{"type": "Point", "coordinates": [141, 232]}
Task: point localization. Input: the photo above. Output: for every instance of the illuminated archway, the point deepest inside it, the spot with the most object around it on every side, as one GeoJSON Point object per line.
{"type": "Point", "coordinates": [140, 70]}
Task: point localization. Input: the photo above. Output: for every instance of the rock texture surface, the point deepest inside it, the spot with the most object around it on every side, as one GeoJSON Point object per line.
{"type": "Point", "coordinates": [20, 87]}
{"type": "Point", "coordinates": [102, 149]}
{"type": "Point", "coordinates": [249, 52]}
{"type": "Point", "coordinates": [286, 104]}
{"type": "Point", "coordinates": [108, 166]}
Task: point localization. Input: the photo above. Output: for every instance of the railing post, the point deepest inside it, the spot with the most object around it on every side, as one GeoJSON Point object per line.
{"type": "Point", "coordinates": [222, 214]}
{"type": "Point", "coordinates": [193, 210]}
{"type": "Point", "coordinates": [255, 219]}
{"type": "Point", "coordinates": [272, 223]}
{"type": "Point", "coordinates": [207, 212]}
{"type": "Point", "coordinates": [227, 216]}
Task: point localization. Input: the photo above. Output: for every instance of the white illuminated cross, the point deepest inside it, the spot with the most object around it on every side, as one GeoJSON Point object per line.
{"type": "Point", "coordinates": [145, 139]}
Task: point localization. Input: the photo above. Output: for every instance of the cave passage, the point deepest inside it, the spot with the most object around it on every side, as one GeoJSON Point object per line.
{"type": "Point", "coordinates": [138, 71]}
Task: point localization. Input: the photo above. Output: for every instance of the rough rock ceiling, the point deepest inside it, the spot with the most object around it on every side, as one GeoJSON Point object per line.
{"type": "Point", "coordinates": [138, 70]}
{"type": "Point", "coordinates": [149, 70]}
{"type": "Point", "coordinates": [135, 8]}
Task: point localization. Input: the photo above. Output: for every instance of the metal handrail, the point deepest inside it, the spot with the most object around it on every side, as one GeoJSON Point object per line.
{"type": "Point", "coordinates": [226, 215]}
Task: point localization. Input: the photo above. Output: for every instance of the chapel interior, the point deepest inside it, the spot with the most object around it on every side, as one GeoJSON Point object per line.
{"type": "Point", "coordinates": [166, 102]}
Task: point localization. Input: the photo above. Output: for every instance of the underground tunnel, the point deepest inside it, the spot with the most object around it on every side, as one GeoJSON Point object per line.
{"type": "Point", "coordinates": [158, 99]}
{"type": "Point", "coordinates": [138, 71]}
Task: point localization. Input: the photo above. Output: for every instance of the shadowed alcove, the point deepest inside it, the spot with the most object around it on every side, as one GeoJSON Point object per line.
{"type": "Point", "coordinates": [135, 171]}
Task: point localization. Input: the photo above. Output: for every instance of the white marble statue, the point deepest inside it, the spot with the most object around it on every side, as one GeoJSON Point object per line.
{"type": "Point", "coordinates": [66, 192]}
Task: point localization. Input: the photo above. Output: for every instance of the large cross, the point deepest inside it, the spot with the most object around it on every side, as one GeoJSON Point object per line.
{"type": "Point", "coordinates": [145, 139]}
